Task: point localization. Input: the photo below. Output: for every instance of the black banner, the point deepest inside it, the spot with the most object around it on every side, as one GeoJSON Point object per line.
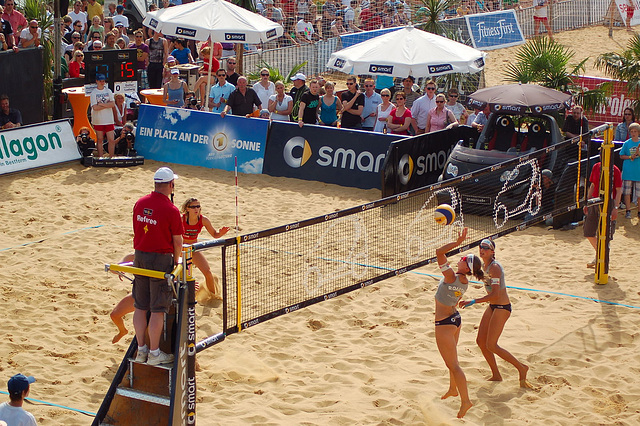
{"type": "Point", "coordinates": [418, 161]}
{"type": "Point", "coordinates": [326, 154]}
{"type": "Point", "coordinates": [21, 80]}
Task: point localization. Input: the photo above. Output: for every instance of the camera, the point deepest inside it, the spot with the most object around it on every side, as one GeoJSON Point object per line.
{"type": "Point", "coordinates": [129, 136]}
{"type": "Point", "coordinates": [86, 145]}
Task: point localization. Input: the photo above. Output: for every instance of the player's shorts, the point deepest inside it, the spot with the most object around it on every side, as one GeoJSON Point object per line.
{"type": "Point", "coordinates": [104, 127]}
{"type": "Point", "coordinates": [540, 19]}
{"type": "Point", "coordinates": [591, 222]}
{"type": "Point", "coordinates": [628, 187]}
{"type": "Point", "coordinates": [152, 294]}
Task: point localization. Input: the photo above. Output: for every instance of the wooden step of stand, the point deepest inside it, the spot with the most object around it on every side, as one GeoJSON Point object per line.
{"type": "Point", "coordinates": [143, 396]}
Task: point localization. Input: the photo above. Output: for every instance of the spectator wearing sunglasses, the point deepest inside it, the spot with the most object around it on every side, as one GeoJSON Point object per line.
{"type": "Point", "coordinates": [30, 36]}
{"type": "Point", "coordinates": [371, 102]}
{"type": "Point", "coordinates": [353, 104]}
{"type": "Point", "coordinates": [264, 88]}
{"type": "Point", "coordinates": [421, 107]}
{"type": "Point", "coordinates": [459, 111]}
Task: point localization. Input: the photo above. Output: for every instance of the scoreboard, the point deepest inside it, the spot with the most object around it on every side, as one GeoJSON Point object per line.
{"type": "Point", "coordinates": [117, 65]}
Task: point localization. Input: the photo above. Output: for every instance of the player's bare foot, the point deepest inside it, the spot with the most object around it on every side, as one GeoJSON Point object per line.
{"type": "Point", "coordinates": [464, 407]}
{"type": "Point", "coordinates": [450, 392]}
{"type": "Point", "coordinates": [495, 378]}
{"type": "Point", "coordinates": [522, 373]}
{"type": "Point", "coordinates": [526, 385]}
{"type": "Point", "coordinates": [119, 336]}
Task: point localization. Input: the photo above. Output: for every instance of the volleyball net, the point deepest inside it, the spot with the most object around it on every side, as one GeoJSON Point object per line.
{"type": "Point", "coordinates": [280, 270]}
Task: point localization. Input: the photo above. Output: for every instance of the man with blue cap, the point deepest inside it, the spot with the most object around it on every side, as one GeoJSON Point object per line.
{"type": "Point", "coordinates": [12, 412]}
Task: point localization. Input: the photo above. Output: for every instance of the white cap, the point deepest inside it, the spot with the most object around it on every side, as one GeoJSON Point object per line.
{"type": "Point", "coordinates": [175, 71]}
{"type": "Point", "coordinates": [299, 76]}
{"type": "Point", "coordinates": [164, 175]}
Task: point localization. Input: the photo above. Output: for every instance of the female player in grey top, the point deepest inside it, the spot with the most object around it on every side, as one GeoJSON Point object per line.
{"type": "Point", "coordinates": [450, 289]}
{"type": "Point", "coordinates": [495, 316]}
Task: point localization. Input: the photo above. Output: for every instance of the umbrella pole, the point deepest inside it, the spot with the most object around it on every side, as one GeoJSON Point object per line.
{"type": "Point", "coordinates": [240, 58]}
{"type": "Point", "coordinates": [206, 103]}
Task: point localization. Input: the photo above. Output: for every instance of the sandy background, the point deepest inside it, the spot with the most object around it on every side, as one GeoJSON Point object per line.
{"type": "Point", "coordinates": [367, 358]}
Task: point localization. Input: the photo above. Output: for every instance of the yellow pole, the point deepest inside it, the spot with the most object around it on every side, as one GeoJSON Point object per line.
{"type": "Point", "coordinates": [137, 271]}
{"type": "Point", "coordinates": [604, 224]}
{"type": "Point", "coordinates": [238, 286]}
{"type": "Point", "coordinates": [578, 181]}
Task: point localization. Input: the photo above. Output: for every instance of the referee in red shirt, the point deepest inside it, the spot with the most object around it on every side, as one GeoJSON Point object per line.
{"type": "Point", "coordinates": [157, 240]}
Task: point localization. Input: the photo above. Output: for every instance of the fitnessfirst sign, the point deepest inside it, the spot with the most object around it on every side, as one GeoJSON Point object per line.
{"type": "Point", "coordinates": [494, 30]}
{"type": "Point", "coordinates": [37, 145]}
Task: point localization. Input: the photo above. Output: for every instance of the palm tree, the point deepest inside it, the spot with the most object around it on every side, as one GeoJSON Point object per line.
{"type": "Point", "coordinates": [433, 12]}
{"type": "Point", "coordinates": [546, 62]}
{"type": "Point", "coordinates": [624, 66]}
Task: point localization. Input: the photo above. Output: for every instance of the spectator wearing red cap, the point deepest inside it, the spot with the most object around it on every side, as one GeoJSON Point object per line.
{"type": "Point", "coordinates": [12, 412]}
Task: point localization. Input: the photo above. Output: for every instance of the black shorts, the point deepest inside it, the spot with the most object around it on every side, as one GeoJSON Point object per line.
{"type": "Point", "coordinates": [152, 294]}
{"type": "Point", "coordinates": [592, 219]}
{"type": "Point", "coordinates": [506, 307]}
{"type": "Point", "coordinates": [453, 319]}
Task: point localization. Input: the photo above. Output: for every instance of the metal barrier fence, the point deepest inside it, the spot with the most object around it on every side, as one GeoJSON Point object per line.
{"type": "Point", "coordinates": [567, 15]}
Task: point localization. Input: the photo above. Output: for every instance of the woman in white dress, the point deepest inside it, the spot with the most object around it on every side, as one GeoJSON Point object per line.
{"type": "Point", "coordinates": [384, 109]}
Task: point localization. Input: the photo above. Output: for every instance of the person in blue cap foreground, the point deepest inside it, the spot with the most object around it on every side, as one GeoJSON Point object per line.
{"type": "Point", "coordinates": [12, 412]}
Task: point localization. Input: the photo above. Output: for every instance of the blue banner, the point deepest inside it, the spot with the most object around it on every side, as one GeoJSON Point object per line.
{"type": "Point", "coordinates": [197, 138]}
{"type": "Point", "coordinates": [349, 40]}
{"type": "Point", "coordinates": [494, 30]}
{"type": "Point", "coordinates": [326, 154]}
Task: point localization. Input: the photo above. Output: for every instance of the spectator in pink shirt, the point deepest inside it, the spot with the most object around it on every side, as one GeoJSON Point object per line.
{"type": "Point", "coordinates": [16, 19]}
{"type": "Point", "coordinates": [440, 117]}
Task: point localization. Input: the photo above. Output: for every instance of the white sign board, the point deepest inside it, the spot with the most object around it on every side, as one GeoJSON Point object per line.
{"type": "Point", "coordinates": [37, 145]}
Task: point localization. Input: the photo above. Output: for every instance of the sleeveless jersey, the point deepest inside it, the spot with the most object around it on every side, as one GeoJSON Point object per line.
{"type": "Point", "coordinates": [191, 232]}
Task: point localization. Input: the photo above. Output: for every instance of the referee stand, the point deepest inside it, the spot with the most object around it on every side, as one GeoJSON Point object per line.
{"type": "Point", "coordinates": [163, 394]}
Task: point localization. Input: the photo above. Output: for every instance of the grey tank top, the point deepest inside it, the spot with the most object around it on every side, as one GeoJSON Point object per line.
{"type": "Point", "coordinates": [450, 293]}
{"type": "Point", "coordinates": [487, 280]}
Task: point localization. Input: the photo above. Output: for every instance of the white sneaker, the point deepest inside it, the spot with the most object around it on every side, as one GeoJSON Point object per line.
{"type": "Point", "coordinates": [142, 356]}
{"type": "Point", "coordinates": [162, 358]}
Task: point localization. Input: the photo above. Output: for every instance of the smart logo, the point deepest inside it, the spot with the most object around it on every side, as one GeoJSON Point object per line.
{"type": "Point", "coordinates": [153, 23]}
{"type": "Point", "coordinates": [437, 69]}
{"type": "Point", "coordinates": [188, 32]}
{"type": "Point", "coordinates": [297, 151]}
{"type": "Point", "coordinates": [424, 164]}
{"type": "Point", "coordinates": [381, 69]}
{"type": "Point", "coordinates": [290, 146]}
{"type": "Point", "coordinates": [271, 33]}
{"type": "Point", "coordinates": [339, 63]}
{"type": "Point", "coordinates": [234, 36]}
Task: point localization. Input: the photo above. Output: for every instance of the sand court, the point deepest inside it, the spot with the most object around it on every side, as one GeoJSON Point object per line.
{"type": "Point", "coordinates": [367, 357]}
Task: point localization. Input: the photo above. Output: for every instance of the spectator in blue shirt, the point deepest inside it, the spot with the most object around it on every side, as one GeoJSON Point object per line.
{"type": "Point", "coordinates": [219, 93]}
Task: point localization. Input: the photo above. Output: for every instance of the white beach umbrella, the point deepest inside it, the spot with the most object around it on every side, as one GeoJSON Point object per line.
{"type": "Point", "coordinates": [221, 20]}
{"type": "Point", "coordinates": [408, 51]}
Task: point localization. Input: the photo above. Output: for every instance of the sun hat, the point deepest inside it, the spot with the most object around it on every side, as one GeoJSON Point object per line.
{"type": "Point", "coordinates": [299, 76]}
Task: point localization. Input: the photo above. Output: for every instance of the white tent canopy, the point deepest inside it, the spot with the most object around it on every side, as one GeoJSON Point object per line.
{"type": "Point", "coordinates": [221, 20]}
{"type": "Point", "coordinates": [408, 51]}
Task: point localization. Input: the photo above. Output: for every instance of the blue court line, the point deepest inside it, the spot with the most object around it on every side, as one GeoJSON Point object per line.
{"type": "Point", "coordinates": [47, 238]}
{"type": "Point", "coordinates": [89, 413]}
{"type": "Point", "coordinates": [543, 291]}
